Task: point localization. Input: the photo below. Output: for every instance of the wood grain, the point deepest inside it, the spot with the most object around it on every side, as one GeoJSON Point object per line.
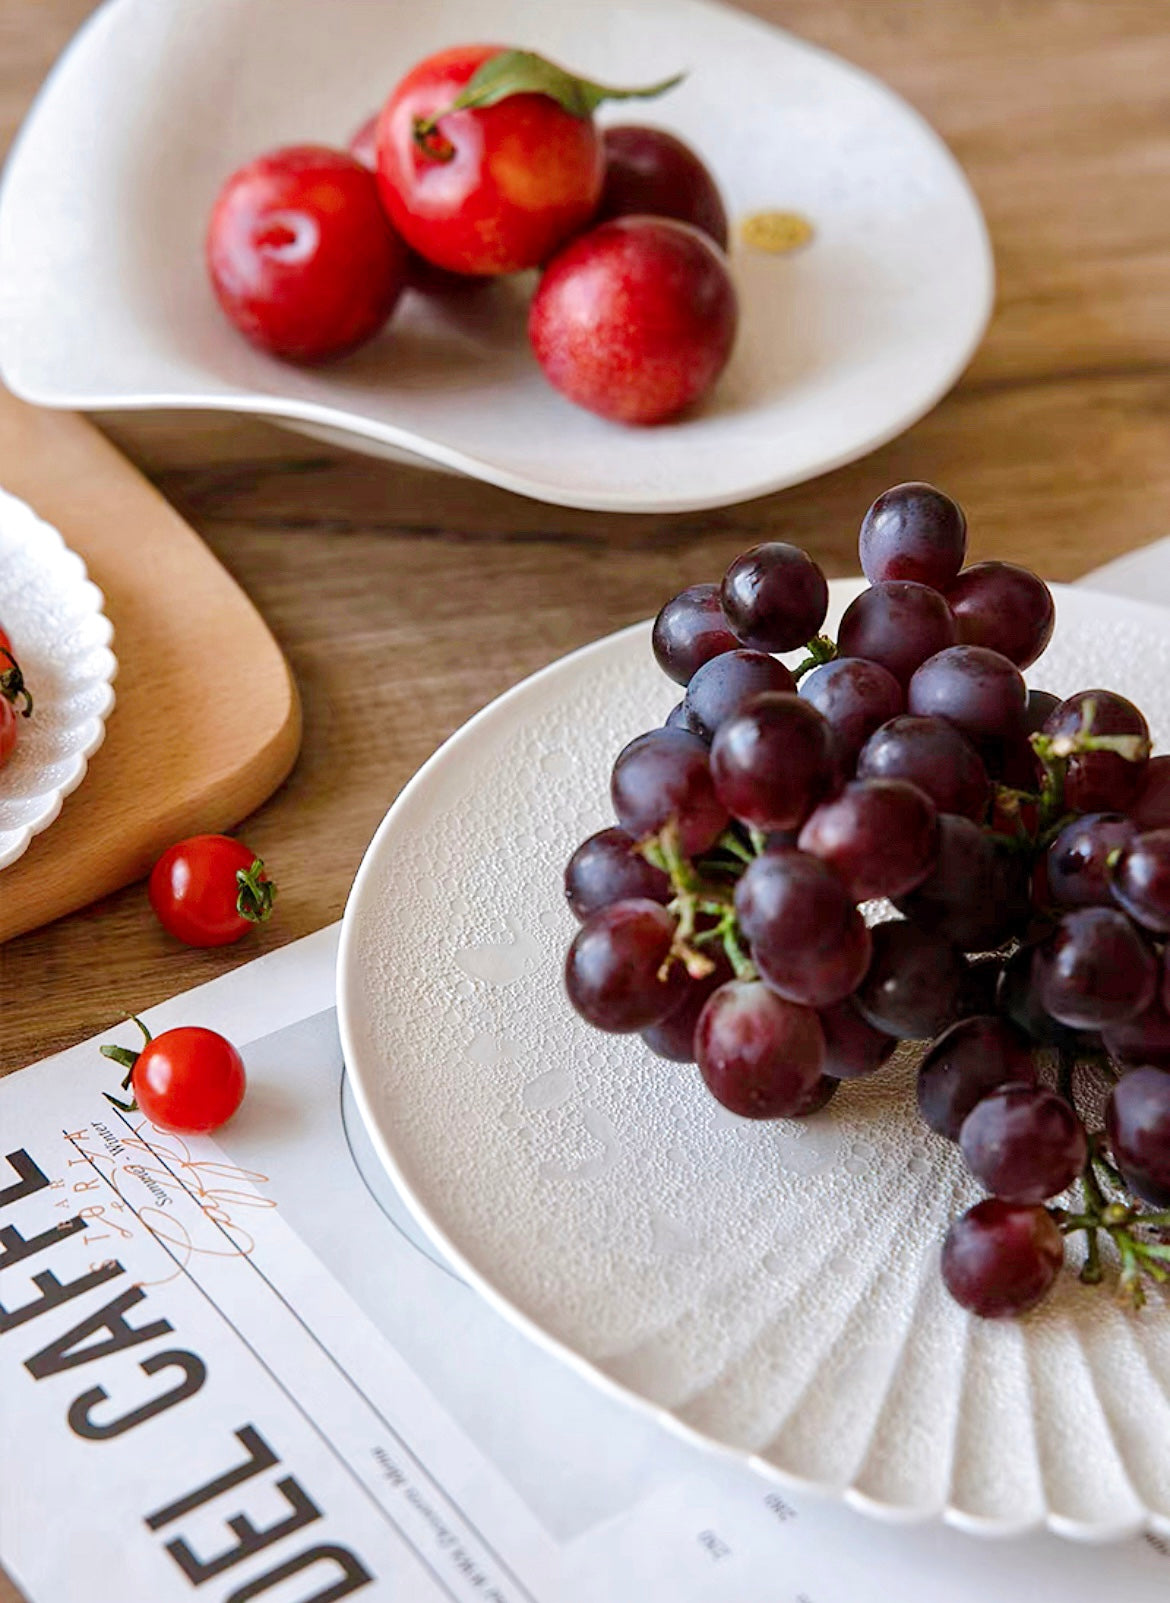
{"type": "Point", "coordinates": [207, 721]}
{"type": "Point", "coordinates": [405, 601]}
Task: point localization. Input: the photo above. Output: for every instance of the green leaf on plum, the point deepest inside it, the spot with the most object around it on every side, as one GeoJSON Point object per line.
{"type": "Point", "coordinates": [523, 72]}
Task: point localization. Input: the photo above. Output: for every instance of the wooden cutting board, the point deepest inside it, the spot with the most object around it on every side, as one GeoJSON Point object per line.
{"type": "Point", "coordinates": [207, 721]}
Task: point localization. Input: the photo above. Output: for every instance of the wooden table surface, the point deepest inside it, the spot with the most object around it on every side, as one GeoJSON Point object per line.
{"type": "Point", "coordinates": [405, 600]}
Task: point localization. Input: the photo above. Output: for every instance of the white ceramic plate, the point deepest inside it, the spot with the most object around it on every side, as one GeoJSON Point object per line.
{"type": "Point", "coordinates": [53, 614]}
{"type": "Point", "coordinates": [771, 1289]}
{"type": "Point", "coordinates": [103, 301]}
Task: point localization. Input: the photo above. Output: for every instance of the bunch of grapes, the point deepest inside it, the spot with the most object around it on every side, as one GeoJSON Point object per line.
{"type": "Point", "coordinates": [895, 841]}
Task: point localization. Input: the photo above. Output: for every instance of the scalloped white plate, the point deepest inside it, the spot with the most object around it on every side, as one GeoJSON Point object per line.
{"type": "Point", "coordinates": [771, 1290]}
{"type": "Point", "coordinates": [103, 299]}
{"type": "Point", "coordinates": [61, 636]}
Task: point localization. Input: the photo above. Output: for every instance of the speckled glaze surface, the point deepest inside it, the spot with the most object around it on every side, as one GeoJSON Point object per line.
{"type": "Point", "coordinates": [772, 1289]}
{"type": "Point", "coordinates": [53, 615]}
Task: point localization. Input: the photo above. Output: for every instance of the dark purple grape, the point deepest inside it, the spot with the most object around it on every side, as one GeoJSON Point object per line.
{"type": "Point", "coordinates": [976, 895]}
{"type": "Point", "coordinates": [1101, 781]}
{"type": "Point", "coordinates": [1145, 1039]}
{"type": "Point", "coordinates": [913, 532]}
{"type": "Point", "coordinates": [759, 1055]}
{"type": "Point", "coordinates": [676, 718]}
{"type": "Point", "coordinates": [981, 987]}
{"type": "Point", "coordinates": [1151, 808]}
{"type": "Point", "coordinates": [1019, 1001]}
{"type": "Point", "coordinates": [774, 597]}
{"type": "Point", "coordinates": [1024, 1143]}
{"type": "Point", "coordinates": [663, 778]}
{"type": "Point", "coordinates": [1078, 859]}
{"type": "Point", "coordinates": [1141, 879]}
{"type": "Point", "coordinates": [608, 867]}
{"type": "Point", "coordinates": [1014, 763]}
{"type": "Point", "coordinates": [1001, 1258]}
{"type": "Point", "coordinates": [674, 1036]}
{"type": "Point", "coordinates": [965, 1064]}
{"type": "Point", "coordinates": [1006, 608]}
{"type": "Point", "coordinates": [773, 762]}
{"type": "Point", "coordinates": [934, 756]}
{"type": "Point", "coordinates": [819, 1097]}
{"type": "Point", "coordinates": [898, 624]}
{"type": "Point", "coordinates": [722, 686]}
{"type": "Point", "coordinates": [777, 840]}
{"type": "Point", "coordinates": [881, 836]}
{"type": "Point", "coordinates": [1038, 708]}
{"type": "Point", "coordinates": [1137, 1122]}
{"type": "Point", "coordinates": [855, 697]}
{"type": "Point", "coordinates": [689, 631]}
{"type": "Point", "coordinates": [650, 173]}
{"type": "Point", "coordinates": [1095, 969]}
{"type": "Point", "coordinates": [978, 691]}
{"type": "Point", "coordinates": [913, 984]}
{"type": "Point", "coordinates": [807, 938]}
{"type": "Point", "coordinates": [853, 1048]}
{"type": "Point", "coordinates": [613, 973]}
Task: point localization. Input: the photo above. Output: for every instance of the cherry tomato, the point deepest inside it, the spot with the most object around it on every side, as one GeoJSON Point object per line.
{"type": "Point", "coordinates": [8, 730]}
{"type": "Point", "coordinates": [209, 890]}
{"type": "Point", "coordinates": [11, 678]}
{"type": "Point", "coordinates": [12, 692]}
{"type": "Point", "coordinates": [301, 255]}
{"type": "Point", "coordinates": [491, 190]}
{"type": "Point", "coordinates": [189, 1080]}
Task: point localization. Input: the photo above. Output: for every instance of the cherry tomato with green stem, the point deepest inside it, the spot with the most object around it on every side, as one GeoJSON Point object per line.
{"type": "Point", "coordinates": [489, 159]}
{"type": "Point", "coordinates": [188, 1080]}
{"type": "Point", "coordinates": [210, 890]}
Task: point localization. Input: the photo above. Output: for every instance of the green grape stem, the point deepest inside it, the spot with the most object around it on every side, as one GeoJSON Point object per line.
{"type": "Point", "coordinates": [741, 964]}
{"type": "Point", "coordinates": [1054, 753]}
{"type": "Point", "coordinates": [1124, 1223]}
{"type": "Point", "coordinates": [729, 841]}
{"type": "Point", "coordinates": [820, 649]}
{"type": "Point", "coordinates": [1052, 793]}
{"type": "Point", "coordinates": [694, 894]}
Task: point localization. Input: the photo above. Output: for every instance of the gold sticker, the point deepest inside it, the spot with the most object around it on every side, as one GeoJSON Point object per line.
{"type": "Point", "coordinates": [775, 232]}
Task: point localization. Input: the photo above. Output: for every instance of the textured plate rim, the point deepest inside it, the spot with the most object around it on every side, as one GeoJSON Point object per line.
{"type": "Point", "coordinates": [95, 727]}
{"type": "Point", "coordinates": [284, 409]}
{"type": "Point", "coordinates": [349, 1003]}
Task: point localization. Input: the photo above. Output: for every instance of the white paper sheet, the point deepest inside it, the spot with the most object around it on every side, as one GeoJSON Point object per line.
{"type": "Point", "coordinates": [422, 1442]}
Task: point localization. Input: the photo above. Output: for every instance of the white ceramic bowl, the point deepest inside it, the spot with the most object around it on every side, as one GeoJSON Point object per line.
{"type": "Point", "coordinates": [771, 1290]}
{"type": "Point", "coordinates": [844, 344]}
{"type": "Point", "coordinates": [53, 614]}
